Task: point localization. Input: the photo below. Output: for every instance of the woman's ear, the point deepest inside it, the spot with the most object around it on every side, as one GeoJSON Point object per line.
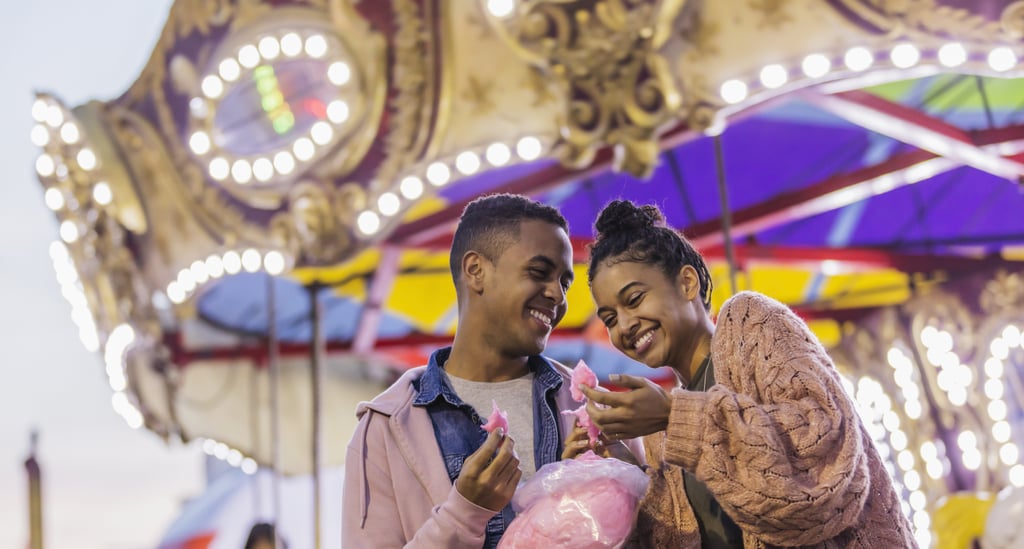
{"type": "Point", "coordinates": [689, 282]}
{"type": "Point", "coordinates": [473, 271]}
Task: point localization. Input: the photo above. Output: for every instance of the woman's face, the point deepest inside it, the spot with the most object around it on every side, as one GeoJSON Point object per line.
{"type": "Point", "coordinates": [650, 317]}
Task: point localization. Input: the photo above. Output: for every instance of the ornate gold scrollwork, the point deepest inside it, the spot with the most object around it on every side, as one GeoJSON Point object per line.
{"type": "Point", "coordinates": [1012, 20]}
{"type": "Point", "coordinates": [925, 16]}
{"type": "Point", "coordinates": [606, 56]}
{"type": "Point", "coordinates": [316, 228]}
{"type": "Point", "coordinates": [1005, 292]}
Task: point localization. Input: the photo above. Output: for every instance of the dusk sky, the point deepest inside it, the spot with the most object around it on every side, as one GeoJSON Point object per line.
{"type": "Point", "coordinates": [106, 485]}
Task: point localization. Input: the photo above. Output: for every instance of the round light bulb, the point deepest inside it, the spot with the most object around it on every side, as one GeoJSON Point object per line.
{"type": "Point", "coordinates": [269, 47]}
{"type": "Point", "coordinates": [498, 154]}
{"type": "Point", "coordinates": [368, 223]}
{"type": "Point", "coordinates": [339, 73]}
{"type": "Point", "coordinates": [1002, 59]}
{"type": "Point", "coordinates": [952, 54]}
{"type": "Point", "coordinates": [904, 56]}
{"type": "Point", "coordinates": [774, 76]}
{"type": "Point", "coordinates": [388, 204]}
{"type": "Point", "coordinates": [467, 162]}
{"type": "Point", "coordinates": [529, 148]}
{"type": "Point", "coordinates": [733, 91]}
{"type": "Point", "coordinates": [438, 174]}
{"type": "Point", "coordinates": [316, 46]}
{"type": "Point", "coordinates": [291, 44]}
{"type": "Point", "coordinates": [411, 187]}
{"type": "Point", "coordinates": [858, 58]}
{"type": "Point", "coordinates": [816, 65]}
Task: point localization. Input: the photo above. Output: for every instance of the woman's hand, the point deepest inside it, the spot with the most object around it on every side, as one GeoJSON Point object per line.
{"type": "Point", "coordinates": [577, 443]}
{"type": "Point", "coordinates": [642, 410]}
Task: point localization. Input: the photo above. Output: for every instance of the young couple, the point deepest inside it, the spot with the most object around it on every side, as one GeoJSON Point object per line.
{"type": "Point", "coordinates": [759, 447]}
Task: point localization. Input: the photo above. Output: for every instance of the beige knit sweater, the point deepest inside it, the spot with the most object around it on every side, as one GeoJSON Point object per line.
{"type": "Point", "coordinates": [777, 441]}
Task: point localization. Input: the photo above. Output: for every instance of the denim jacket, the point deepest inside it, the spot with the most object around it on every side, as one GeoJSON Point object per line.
{"type": "Point", "coordinates": [457, 425]}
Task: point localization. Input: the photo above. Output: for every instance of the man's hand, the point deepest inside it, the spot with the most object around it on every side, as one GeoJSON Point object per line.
{"type": "Point", "coordinates": [642, 410]}
{"type": "Point", "coordinates": [491, 483]}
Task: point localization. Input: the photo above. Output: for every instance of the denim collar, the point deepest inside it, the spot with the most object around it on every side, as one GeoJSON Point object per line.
{"type": "Point", "coordinates": [434, 384]}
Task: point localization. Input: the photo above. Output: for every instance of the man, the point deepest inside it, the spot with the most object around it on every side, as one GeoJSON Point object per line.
{"type": "Point", "coordinates": [420, 471]}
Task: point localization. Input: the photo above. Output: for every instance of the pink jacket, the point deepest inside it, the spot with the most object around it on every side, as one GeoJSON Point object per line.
{"type": "Point", "coordinates": [777, 440]}
{"type": "Point", "coordinates": [397, 492]}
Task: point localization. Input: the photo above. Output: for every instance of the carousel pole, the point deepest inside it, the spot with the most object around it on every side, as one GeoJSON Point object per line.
{"type": "Point", "coordinates": [35, 495]}
{"type": "Point", "coordinates": [274, 374]}
{"type": "Point", "coordinates": [316, 364]}
{"type": "Point", "coordinates": [723, 197]}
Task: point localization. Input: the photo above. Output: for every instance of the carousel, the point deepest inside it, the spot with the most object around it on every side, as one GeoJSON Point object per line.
{"type": "Point", "coordinates": [254, 236]}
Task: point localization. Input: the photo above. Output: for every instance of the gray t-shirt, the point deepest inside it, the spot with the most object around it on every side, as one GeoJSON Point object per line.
{"type": "Point", "coordinates": [514, 397]}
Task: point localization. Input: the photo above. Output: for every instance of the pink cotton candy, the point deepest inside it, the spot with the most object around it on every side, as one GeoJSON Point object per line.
{"type": "Point", "coordinates": [583, 419]}
{"type": "Point", "coordinates": [581, 375]}
{"type": "Point", "coordinates": [498, 418]}
{"type": "Point", "coordinates": [585, 503]}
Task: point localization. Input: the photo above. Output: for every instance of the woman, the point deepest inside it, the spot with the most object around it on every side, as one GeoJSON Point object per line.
{"type": "Point", "coordinates": [763, 447]}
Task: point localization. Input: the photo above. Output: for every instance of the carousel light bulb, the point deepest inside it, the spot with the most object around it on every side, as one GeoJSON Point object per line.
{"type": "Point", "coordinates": [912, 408]}
{"type": "Point", "coordinates": [303, 148]}
{"type": "Point", "coordinates": [339, 73]}
{"type": "Point", "coordinates": [241, 171]}
{"type": "Point", "coordinates": [337, 111]}
{"type": "Point", "coordinates": [274, 262]}
{"type": "Point", "coordinates": [219, 168]}
{"type": "Point", "coordinates": [69, 133]}
{"type": "Point", "coordinates": [232, 262]}
{"type": "Point", "coordinates": [733, 91]}
{"type": "Point", "coordinates": [905, 459]}
{"type": "Point", "coordinates": [262, 169]}
{"type": "Point", "coordinates": [917, 500]}
{"type": "Point", "coordinates": [284, 162]}
{"type": "Point", "coordinates": [501, 8]}
{"type": "Point", "coordinates": [994, 388]}
{"type": "Point", "coordinates": [498, 154]}
{"type": "Point", "coordinates": [40, 109]}
{"type": "Point", "coordinates": [215, 266]}
{"type": "Point", "coordinates": [316, 46]}
{"type": "Point", "coordinates": [529, 148]}
{"type": "Point", "coordinates": [54, 198]}
{"type": "Point", "coordinates": [221, 451]}
{"type": "Point", "coordinates": [912, 480]}
{"type": "Point", "coordinates": [1001, 431]}
{"type": "Point", "coordinates": [270, 48]}
{"type": "Point", "coordinates": [251, 260]}
{"type": "Point", "coordinates": [438, 174]}
{"type": "Point", "coordinates": [212, 87]}
{"type": "Point", "coordinates": [1011, 335]}
{"type": "Point", "coordinates": [186, 280]}
{"type": "Point", "coordinates": [388, 204]}
{"type": "Point", "coordinates": [321, 133]}
{"type": "Point", "coordinates": [994, 367]}
{"type": "Point", "coordinates": [467, 162]}
{"type": "Point", "coordinates": [816, 65]}
{"type": "Point", "coordinates": [411, 187]}
{"type": "Point", "coordinates": [957, 395]}
{"type": "Point", "coordinates": [368, 223]}
{"type": "Point", "coordinates": [229, 70]}
{"type": "Point", "coordinates": [922, 521]}
{"type": "Point", "coordinates": [952, 54]}
{"type": "Point", "coordinates": [291, 44]}
{"type": "Point", "coordinates": [54, 116]}
{"type": "Point", "coordinates": [249, 466]}
{"type": "Point", "coordinates": [101, 193]}
{"type": "Point", "coordinates": [199, 142]}
{"type": "Point", "coordinates": [898, 440]}
{"type": "Point", "coordinates": [40, 136]}
{"type": "Point", "coordinates": [997, 410]}
{"type": "Point", "coordinates": [858, 58]}
{"type": "Point", "coordinates": [904, 56]}
{"type": "Point", "coordinates": [45, 165]}
{"type": "Point", "coordinates": [197, 106]}
{"type": "Point", "coordinates": [943, 341]}
{"type": "Point", "coordinates": [1009, 453]}
{"type": "Point", "coordinates": [68, 231]}
{"type": "Point", "coordinates": [209, 445]}
{"type": "Point", "coordinates": [86, 158]}
{"type": "Point", "coordinates": [249, 56]}
{"type": "Point", "coordinates": [199, 272]}
{"type": "Point", "coordinates": [1017, 475]}
{"type": "Point", "coordinates": [967, 440]}
{"type": "Point", "coordinates": [774, 76]}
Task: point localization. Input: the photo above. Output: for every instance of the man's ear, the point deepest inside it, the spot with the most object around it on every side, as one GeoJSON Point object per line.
{"type": "Point", "coordinates": [473, 271]}
{"type": "Point", "coordinates": [689, 282]}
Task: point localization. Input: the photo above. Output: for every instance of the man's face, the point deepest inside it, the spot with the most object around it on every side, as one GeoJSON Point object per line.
{"type": "Point", "coordinates": [524, 291]}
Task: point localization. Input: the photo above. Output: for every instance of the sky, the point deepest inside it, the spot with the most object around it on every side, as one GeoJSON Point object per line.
{"type": "Point", "coordinates": [105, 485]}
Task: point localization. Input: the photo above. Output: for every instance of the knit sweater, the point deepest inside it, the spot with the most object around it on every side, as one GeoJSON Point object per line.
{"type": "Point", "coordinates": [777, 441]}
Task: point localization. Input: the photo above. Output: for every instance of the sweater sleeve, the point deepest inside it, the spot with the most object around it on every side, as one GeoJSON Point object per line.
{"type": "Point", "coordinates": [372, 515]}
{"type": "Point", "coordinates": [778, 441]}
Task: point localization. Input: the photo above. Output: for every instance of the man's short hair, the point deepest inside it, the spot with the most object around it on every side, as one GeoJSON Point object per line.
{"type": "Point", "coordinates": [490, 224]}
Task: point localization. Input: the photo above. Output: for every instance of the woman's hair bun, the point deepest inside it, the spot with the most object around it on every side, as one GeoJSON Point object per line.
{"type": "Point", "coordinates": [625, 216]}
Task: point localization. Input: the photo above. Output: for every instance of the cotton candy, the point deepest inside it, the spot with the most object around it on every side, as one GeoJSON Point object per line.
{"type": "Point", "coordinates": [583, 419]}
{"type": "Point", "coordinates": [581, 375]}
{"type": "Point", "coordinates": [584, 503]}
{"type": "Point", "coordinates": [498, 418]}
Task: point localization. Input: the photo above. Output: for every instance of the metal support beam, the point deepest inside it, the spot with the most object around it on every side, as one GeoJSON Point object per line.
{"type": "Point", "coordinates": [380, 287]}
